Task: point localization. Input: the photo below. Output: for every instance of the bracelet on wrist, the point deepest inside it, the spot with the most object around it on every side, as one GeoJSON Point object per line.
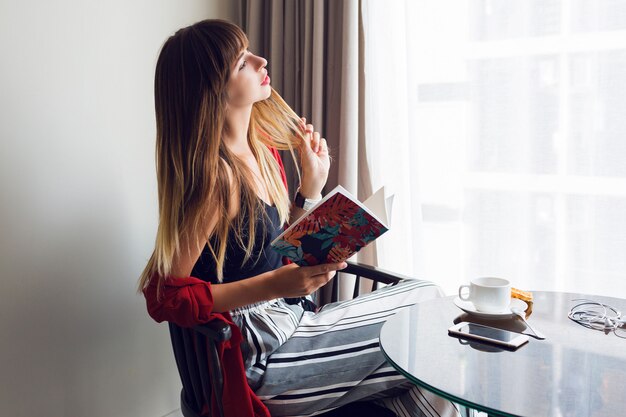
{"type": "Point", "coordinates": [304, 203]}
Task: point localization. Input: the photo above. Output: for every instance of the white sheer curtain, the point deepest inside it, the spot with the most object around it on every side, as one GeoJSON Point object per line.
{"type": "Point", "coordinates": [389, 138]}
{"type": "Point", "coordinates": [502, 128]}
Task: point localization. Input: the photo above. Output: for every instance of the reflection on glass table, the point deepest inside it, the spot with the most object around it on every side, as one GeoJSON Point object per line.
{"type": "Point", "coordinates": [574, 372]}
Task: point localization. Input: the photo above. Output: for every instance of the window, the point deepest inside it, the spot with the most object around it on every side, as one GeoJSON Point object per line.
{"type": "Point", "coordinates": [521, 142]}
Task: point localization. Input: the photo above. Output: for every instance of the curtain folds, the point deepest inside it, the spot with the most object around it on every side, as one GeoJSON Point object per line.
{"type": "Point", "coordinates": [315, 54]}
{"type": "Point", "coordinates": [314, 59]}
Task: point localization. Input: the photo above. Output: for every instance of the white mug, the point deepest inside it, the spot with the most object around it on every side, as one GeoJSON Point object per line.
{"type": "Point", "coordinates": [488, 294]}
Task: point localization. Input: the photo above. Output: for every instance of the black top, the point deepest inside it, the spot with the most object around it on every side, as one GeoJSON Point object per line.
{"type": "Point", "coordinates": [263, 258]}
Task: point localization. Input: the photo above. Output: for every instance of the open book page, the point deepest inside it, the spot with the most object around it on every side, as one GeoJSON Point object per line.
{"type": "Point", "coordinates": [380, 205]}
{"type": "Point", "coordinates": [332, 231]}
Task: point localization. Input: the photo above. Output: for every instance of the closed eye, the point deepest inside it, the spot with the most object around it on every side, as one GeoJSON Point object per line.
{"type": "Point", "coordinates": [243, 64]}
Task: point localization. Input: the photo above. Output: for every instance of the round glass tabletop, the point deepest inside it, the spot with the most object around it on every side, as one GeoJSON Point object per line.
{"type": "Point", "coordinates": [574, 372]}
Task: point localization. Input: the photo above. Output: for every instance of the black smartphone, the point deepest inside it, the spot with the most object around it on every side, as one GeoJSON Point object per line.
{"type": "Point", "coordinates": [492, 335]}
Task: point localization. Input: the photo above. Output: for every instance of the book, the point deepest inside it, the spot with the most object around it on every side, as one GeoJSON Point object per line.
{"type": "Point", "coordinates": [336, 228]}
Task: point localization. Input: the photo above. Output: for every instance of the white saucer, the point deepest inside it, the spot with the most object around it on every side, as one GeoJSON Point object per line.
{"type": "Point", "coordinates": [469, 308]}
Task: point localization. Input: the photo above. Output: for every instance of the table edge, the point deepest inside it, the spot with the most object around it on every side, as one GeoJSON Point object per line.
{"type": "Point", "coordinates": [411, 378]}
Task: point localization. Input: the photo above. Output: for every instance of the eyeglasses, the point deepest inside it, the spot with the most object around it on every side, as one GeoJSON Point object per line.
{"type": "Point", "coordinates": [598, 316]}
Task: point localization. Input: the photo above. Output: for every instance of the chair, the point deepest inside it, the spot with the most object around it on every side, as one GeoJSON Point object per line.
{"type": "Point", "coordinates": [205, 376]}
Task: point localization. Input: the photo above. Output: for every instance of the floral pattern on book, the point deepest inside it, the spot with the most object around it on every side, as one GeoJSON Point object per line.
{"type": "Point", "coordinates": [333, 232]}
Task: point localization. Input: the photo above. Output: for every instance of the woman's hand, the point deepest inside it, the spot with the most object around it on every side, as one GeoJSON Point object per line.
{"type": "Point", "coordinates": [296, 281]}
{"type": "Point", "coordinates": [289, 281]}
{"type": "Point", "coordinates": [314, 160]}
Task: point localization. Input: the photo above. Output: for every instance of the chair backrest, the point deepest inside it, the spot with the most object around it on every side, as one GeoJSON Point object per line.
{"type": "Point", "coordinates": [360, 271]}
{"type": "Point", "coordinates": [195, 350]}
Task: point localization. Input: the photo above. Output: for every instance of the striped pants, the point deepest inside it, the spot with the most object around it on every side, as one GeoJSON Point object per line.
{"type": "Point", "coordinates": [302, 363]}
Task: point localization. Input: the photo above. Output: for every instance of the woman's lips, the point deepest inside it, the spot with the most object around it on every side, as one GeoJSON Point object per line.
{"type": "Point", "coordinates": [266, 81]}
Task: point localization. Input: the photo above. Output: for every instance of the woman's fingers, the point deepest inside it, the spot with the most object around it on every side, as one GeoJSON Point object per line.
{"type": "Point", "coordinates": [325, 272]}
{"type": "Point", "coordinates": [315, 142]}
{"type": "Point", "coordinates": [312, 139]}
{"type": "Point", "coordinates": [307, 133]}
{"type": "Point", "coordinates": [294, 281]}
{"type": "Point", "coordinates": [323, 146]}
{"type": "Point", "coordinates": [324, 268]}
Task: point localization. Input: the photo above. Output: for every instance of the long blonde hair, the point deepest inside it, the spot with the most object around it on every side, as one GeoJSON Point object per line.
{"type": "Point", "coordinates": [192, 160]}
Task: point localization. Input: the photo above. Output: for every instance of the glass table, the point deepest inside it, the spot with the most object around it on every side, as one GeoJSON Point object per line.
{"type": "Point", "coordinates": [574, 372]}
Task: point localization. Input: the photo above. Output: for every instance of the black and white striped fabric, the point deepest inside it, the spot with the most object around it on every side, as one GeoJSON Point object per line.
{"type": "Point", "coordinates": [303, 363]}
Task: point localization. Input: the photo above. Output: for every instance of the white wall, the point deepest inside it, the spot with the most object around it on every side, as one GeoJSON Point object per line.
{"type": "Point", "coordinates": [78, 206]}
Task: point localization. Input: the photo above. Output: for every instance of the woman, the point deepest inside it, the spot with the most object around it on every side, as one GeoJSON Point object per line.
{"type": "Point", "coordinates": [222, 199]}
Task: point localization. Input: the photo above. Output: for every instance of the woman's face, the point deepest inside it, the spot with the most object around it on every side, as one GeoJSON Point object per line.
{"type": "Point", "coordinates": [248, 82]}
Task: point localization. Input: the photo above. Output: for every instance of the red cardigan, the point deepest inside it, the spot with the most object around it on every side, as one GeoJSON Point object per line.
{"type": "Point", "coordinates": [188, 302]}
